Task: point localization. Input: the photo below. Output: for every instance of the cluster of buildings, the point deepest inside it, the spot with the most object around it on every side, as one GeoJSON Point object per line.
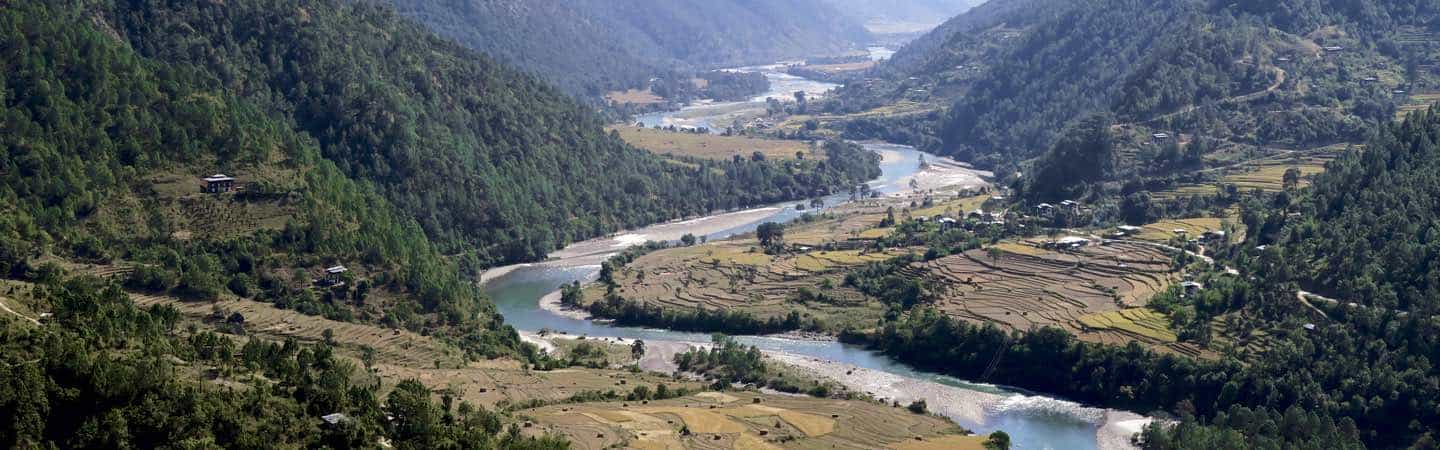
{"type": "Point", "coordinates": [1047, 210]}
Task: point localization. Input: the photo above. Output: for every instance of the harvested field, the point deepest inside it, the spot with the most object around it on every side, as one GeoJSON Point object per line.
{"type": "Point", "coordinates": [1269, 176]}
{"type": "Point", "coordinates": [709, 146]}
{"type": "Point", "coordinates": [841, 68]}
{"type": "Point", "coordinates": [1042, 287]}
{"type": "Point", "coordinates": [1165, 230]}
{"type": "Point", "coordinates": [1266, 174]}
{"type": "Point", "coordinates": [955, 442]}
{"type": "Point", "coordinates": [1145, 323]}
{"type": "Point", "coordinates": [775, 422]}
{"type": "Point", "coordinates": [955, 208]}
{"type": "Point", "coordinates": [402, 355]}
{"type": "Point", "coordinates": [1417, 102]}
{"type": "Point", "coordinates": [735, 275]}
{"type": "Point", "coordinates": [395, 345]}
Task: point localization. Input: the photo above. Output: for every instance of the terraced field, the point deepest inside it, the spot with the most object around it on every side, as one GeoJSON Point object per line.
{"type": "Point", "coordinates": [738, 421]}
{"type": "Point", "coordinates": [1417, 102]}
{"type": "Point", "coordinates": [736, 275]}
{"type": "Point", "coordinates": [223, 216]}
{"type": "Point", "coordinates": [1139, 325]}
{"type": "Point", "coordinates": [711, 146]}
{"type": "Point", "coordinates": [1166, 229]}
{"type": "Point", "coordinates": [1266, 174]}
{"type": "Point", "coordinates": [1021, 290]}
{"type": "Point", "coordinates": [1142, 322]}
{"type": "Point", "coordinates": [399, 346]}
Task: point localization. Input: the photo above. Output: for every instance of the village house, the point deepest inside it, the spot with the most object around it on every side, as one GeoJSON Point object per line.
{"type": "Point", "coordinates": [947, 223]}
{"type": "Point", "coordinates": [218, 183]}
{"type": "Point", "coordinates": [1191, 287]}
{"type": "Point", "coordinates": [1071, 205]}
{"type": "Point", "coordinates": [334, 276]}
{"type": "Point", "coordinates": [334, 419]}
{"type": "Point", "coordinates": [1067, 243]}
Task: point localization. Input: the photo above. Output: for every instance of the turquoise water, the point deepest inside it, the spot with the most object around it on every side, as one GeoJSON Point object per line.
{"type": "Point", "coordinates": [1033, 421]}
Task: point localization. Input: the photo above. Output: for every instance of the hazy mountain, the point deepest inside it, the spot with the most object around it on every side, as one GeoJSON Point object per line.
{"type": "Point", "coordinates": [902, 16]}
{"type": "Point", "coordinates": [588, 47]}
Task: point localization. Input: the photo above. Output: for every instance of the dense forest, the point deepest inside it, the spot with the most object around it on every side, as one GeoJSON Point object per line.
{"type": "Point", "coordinates": [491, 163]}
{"type": "Point", "coordinates": [589, 47]}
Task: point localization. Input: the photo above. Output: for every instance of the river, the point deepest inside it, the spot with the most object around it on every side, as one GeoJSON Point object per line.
{"type": "Point", "coordinates": [718, 115]}
{"type": "Point", "coordinates": [1033, 421]}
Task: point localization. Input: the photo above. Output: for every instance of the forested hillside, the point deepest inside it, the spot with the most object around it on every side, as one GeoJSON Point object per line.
{"type": "Point", "coordinates": [1369, 232]}
{"type": "Point", "coordinates": [491, 163]}
{"type": "Point", "coordinates": [107, 374]}
{"type": "Point", "coordinates": [935, 44]}
{"type": "Point", "coordinates": [1012, 75]}
{"type": "Point", "coordinates": [588, 47]}
{"type": "Point", "coordinates": [103, 153]}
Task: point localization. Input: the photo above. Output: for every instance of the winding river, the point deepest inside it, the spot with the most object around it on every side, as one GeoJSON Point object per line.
{"type": "Point", "coordinates": [1033, 421]}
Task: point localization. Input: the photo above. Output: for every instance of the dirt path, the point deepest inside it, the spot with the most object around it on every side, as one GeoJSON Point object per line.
{"type": "Point", "coordinates": [1280, 77]}
{"type": "Point", "coordinates": [11, 311]}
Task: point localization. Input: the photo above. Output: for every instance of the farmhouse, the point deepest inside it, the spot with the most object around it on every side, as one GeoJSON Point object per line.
{"type": "Point", "coordinates": [333, 276]}
{"type": "Point", "coordinates": [1192, 287]}
{"type": "Point", "coordinates": [1068, 242]}
{"type": "Point", "coordinates": [1160, 136]}
{"type": "Point", "coordinates": [218, 183]}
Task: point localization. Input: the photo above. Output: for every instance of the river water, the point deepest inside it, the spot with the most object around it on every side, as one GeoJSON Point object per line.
{"type": "Point", "coordinates": [1033, 421]}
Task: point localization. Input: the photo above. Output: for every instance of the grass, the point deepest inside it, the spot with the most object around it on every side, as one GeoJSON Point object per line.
{"type": "Point", "coordinates": [1141, 321]}
{"type": "Point", "coordinates": [710, 146]}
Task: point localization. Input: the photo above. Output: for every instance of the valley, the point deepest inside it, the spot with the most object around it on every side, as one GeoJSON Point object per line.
{"type": "Point", "coordinates": [536, 225]}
